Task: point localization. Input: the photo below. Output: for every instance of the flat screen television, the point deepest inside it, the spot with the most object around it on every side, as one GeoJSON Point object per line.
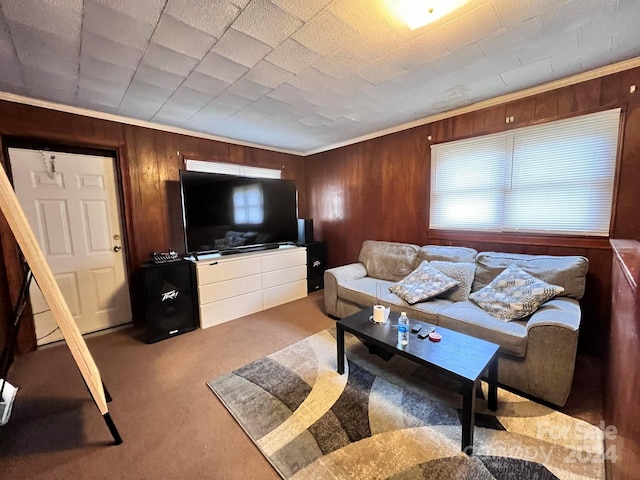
{"type": "Point", "coordinates": [231, 214]}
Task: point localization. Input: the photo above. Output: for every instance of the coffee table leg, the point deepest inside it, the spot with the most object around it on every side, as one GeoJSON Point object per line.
{"type": "Point", "coordinates": [492, 401]}
{"type": "Point", "coordinates": [468, 417]}
{"type": "Point", "coordinates": [340, 342]}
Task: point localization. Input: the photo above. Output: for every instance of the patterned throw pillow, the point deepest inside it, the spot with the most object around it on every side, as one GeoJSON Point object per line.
{"type": "Point", "coordinates": [423, 283]}
{"type": "Point", "coordinates": [460, 271]}
{"type": "Point", "coordinates": [514, 294]}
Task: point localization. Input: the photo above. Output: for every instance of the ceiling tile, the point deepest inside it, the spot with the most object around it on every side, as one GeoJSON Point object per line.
{"type": "Point", "coordinates": [141, 107]}
{"type": "Point", "coordinates": [293, 56]}
{"type": "Point", "coordinates": [512, 13]}
{"type": "Point", "coordinates": [377, 41]}
{"type": "Point", "coordinates": [459, 59]}
{"type": "Point", "coordinates": [415, 77]}
{"type": "Point", "coordinates": [347, 86]}
{"type": "Point", "coordinates": [229, 126]}
{"type": "Point", "coordinates": [94, 67]}
{"type": "Point", "coordinates": [146, 90]}
{"type": "Point", "coordinates": [205, 83]}
{"type": "Point", "coordinates": [286, 93]}
{"type": "Point", "coordinates": [110, 51]}
{"type": "Point", "coordinates": [46, 51]}
{"type": "Point", "coordinates": [339, 64]}
{"type": "Point", "coordinates": [324, 33]}
{"type": "Point", "coordinates": [248, 89]}
{"type": "Point", "coordinates": [268, 74]}
{"type": "Point", "coordinates": [266, 22]}
{"type": "Point", "coordinates": [220, 67]}
{"type": "Point", "coordinates": [303, 9]}
{"type": "Point", "coordinates": [313, 120]}
{"type": "Point", "coordinates": [241, 48]}
{"type": "Point", "coordinates": [205, 121]}
{"type": "Point", "coordinates": [210, 17]}
{"type": "Point", "coordinates": [144, 10]}
{"type": "Point", "coordinates": [182, 38]}
{"type": "Point", "coordinates": [174, 112]}
{"type": "Point", "coordinates": [110, 98]}
{"type": "Point", "coordinates": [116, 25]}
{"type": "Point", "coordinates": [160, 78]}
{"type": "Point", "coordinates": [381, 70]}
{"type": "Point", "coordinates": [58, 17]}
{"type": "Point", "coordinates": [50, 85]}
{"type": "Point", "coordinates": [193, 96]}
{"type": "Point", "coordinates": [11, 76]}
{"type": "Point", "coordinates": [268, 105]}
{"type": "Point", "coordinates": [528, 75]}
{"type": "Point", "coordinates": [512, 39]}
{"type": "Point", "coordinates": [476, 25]}
{"type": "Point", "coordinates": [310, 80]}
{"type": "Point", "coordinates": [572, 15]}
{"type": "Point", "coordinates": [232, 100]}
{"type": "Point", "coordinates": [548, 46]}
{"type": "Point", "coordinates": [116, 89]}
{"type": "Point", "coordinates": [424, 49]}
{"type": "Point", "coordinates": [251, 114]}
{"type": "Point", "coordinates": [168, 60]}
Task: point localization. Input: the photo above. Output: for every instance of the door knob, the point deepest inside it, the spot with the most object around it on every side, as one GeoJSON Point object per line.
{"type": "Point", "coordinates": [117, 248]}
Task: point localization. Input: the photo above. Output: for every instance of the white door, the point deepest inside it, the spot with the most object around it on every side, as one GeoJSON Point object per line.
{"type": "Point", "coordinates": [72, 206]}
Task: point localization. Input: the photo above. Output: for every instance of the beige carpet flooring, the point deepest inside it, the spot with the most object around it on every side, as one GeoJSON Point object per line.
{"type": "Point", "coordinates": [171, 424]}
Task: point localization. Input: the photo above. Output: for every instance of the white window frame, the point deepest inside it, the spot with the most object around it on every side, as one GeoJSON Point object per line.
{"type": "Point", "coordinates": [485, 183]}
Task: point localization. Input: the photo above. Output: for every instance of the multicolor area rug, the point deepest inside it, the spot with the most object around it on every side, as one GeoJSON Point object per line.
{"type": "Point", "coordinates": [394, 420]}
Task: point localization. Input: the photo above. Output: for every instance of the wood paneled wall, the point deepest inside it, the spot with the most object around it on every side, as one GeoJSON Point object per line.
{"type": "Point", "coordinates": [379, 189]}
{"type": "Point", "coordinates": [148, 162]}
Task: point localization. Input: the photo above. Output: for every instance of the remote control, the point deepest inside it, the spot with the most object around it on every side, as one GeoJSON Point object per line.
{"type": "Point", "coordinates": [425, 333]}
{"type": "Point", "coordinates": [416, 328]}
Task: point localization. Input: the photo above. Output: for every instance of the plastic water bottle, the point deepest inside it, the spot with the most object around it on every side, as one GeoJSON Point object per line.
{"type": "Point", "coordinates": [403, 329]}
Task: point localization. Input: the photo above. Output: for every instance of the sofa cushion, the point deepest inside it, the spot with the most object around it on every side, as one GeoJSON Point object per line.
{"type": "Point", "coordinates": [447, 254]}
{"type": "Point", "coordinates": [388, 260]}
{"type": "Point", "coordinates": [514, 294]}
{"type": "Point", "coordinates": [466, 317]}
{"type": "Point", "coordinates": [365, 291]}
{"type": "Point", "coordinates": [463, 273]}
{"type": "Point", "coordinates": [568, 272]}
{"type": "Point", "coordinates": [423, 283]}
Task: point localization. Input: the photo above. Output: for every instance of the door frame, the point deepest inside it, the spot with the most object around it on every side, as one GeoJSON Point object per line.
{"type": "Point", "coordinates": [11, 257]}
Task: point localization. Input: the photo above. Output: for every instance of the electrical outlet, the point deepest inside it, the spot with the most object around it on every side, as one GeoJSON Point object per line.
{"type": "Point", "coordinates": [632, 89]}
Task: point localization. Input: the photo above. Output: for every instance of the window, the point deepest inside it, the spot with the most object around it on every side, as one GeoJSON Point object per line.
{"type": "Point", "coordinates": [555, 178]}
{"type": "Point", "coordinates": [248, 204]}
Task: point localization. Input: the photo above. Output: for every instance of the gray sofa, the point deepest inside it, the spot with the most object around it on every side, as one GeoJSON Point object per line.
{"type": "Point", "coordinates": [537, 353]}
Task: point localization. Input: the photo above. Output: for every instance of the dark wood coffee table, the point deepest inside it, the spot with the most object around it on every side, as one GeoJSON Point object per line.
{"type": "Point", "coordinates": [457, 356]}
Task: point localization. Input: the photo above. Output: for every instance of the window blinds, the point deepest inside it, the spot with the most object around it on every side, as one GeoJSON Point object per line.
{"type": "Point", "coordinates": [554, 178]}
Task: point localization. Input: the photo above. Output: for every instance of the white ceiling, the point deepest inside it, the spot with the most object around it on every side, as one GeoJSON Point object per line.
{"type": "Point", "coordinates": [298, 75]}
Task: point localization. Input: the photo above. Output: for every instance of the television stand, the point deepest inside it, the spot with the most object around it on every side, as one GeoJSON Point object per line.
{"type": "Point", "coordinates": [233, 286]}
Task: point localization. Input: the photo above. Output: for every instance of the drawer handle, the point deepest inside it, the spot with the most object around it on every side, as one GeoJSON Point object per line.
{"type": "Point", "coordinates": [214, 263]}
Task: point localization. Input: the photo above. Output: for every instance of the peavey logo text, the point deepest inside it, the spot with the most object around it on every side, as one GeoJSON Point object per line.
{"type": "Point", "coordinates": [170, 295]}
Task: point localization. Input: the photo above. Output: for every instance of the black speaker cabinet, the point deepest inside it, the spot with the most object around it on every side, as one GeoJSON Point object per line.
{"type": "Point", "coordinates": [316, 265]}
{"type": "Point", "coordinates": [305, 231]}
{"type": "Point", "coordinates": [170, 299]}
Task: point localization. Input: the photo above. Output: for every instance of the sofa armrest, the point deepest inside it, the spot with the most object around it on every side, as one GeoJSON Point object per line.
{"type": "Point", "coordinates": [552, 343]}
{"type": "Point", "coordinates": [558, 312]}
{"type": "Point", "coordinates": [336, 276]}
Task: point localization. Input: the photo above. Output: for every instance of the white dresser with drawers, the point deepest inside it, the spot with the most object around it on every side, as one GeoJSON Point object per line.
{"type": "Point", "coordinates": [233, 286]}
